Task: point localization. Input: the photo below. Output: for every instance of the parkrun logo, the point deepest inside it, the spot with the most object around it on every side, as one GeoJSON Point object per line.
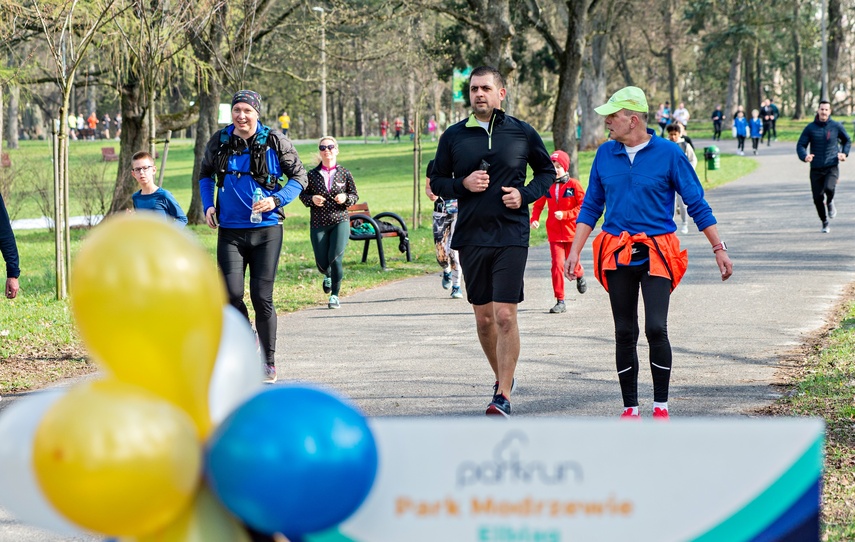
{"type": "Point", "coordinates": [508, 466]}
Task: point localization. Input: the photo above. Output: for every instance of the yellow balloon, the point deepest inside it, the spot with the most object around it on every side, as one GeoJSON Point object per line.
{"type": "Point", "coordinates": [205, 521]}
{"type": "Point", "coordinates": [116, 459]}
{"type": "Point", "coordinates": [149, 301]}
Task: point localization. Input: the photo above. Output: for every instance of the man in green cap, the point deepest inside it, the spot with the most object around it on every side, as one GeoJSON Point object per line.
{"type": "Point", "coordinates": [635, 177]}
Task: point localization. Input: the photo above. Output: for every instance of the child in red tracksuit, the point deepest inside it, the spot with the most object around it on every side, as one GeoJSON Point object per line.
{"type": "Point", "coordinates": [565, 199]}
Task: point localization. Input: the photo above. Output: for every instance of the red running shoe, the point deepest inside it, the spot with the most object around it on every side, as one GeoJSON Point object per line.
{"type": "Point", "coordinates": [628, 415]}
{"type": "Point", "coordinates": [660, 414]}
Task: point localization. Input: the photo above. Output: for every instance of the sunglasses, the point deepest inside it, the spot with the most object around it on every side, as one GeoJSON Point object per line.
{"type": "Point", "coordinates": [139, 170]}
{"type": "Point", "coordinates": [325, 147]}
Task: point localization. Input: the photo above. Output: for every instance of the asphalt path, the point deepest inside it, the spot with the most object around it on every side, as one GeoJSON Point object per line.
{"type": "Point", "coordinates": [408, 349]}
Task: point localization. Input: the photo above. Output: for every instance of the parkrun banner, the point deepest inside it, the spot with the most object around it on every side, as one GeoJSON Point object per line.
{"type": "Point", "coordinates": [550, 480]}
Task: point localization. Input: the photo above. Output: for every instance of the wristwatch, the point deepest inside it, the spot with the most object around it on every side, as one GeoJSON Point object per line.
{"type": "Point", "coordinates": [720, 246]}
{"type": "Point", "coordinates": [278, 202]}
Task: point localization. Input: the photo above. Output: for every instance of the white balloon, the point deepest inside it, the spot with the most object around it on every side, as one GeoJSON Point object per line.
{"type": "Point", "coordinates": [238, 371]}
{"type": "Point", "coordinates": [20, 493]}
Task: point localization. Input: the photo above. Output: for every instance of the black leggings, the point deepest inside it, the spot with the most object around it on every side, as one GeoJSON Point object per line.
{"type": "Point", "coordinates": [624, 283]}
{"type": "Point", "coordinates": [716, 130]}
{"type": "Point", "coordinates": [258, 249]}
{"type": "Point", "coordinates": [823, 181]}
{"type": "Point", "coordinates": [328, 244]}
{"type": "Point", "coordinates": [740, 142]}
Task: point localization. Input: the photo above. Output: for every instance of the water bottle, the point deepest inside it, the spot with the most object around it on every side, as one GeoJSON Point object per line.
{"type": "Point", "coordinates": [257, 196]}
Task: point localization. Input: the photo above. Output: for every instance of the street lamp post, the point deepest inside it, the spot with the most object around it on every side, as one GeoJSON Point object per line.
{"type": "Point", "coordinates": [323, 72]}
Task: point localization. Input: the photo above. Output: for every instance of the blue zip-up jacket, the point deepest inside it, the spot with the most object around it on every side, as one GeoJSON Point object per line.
{"type": "Point", "coordinates": [741, 124]}
{"type": "Point", "coordinates": [823, 138]}
{"type": "Point", "coordinates": [235, 196]}
{"type": "Point", "coordinates": [639, 197]}
{"type": "Point", "coordinates": [756, 126]}
{"type": "Point", "coordinates": [508, 146]}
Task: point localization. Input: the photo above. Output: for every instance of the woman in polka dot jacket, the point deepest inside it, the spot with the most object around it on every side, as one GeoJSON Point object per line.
{"type": "Point", "coordinates": [330, 192]}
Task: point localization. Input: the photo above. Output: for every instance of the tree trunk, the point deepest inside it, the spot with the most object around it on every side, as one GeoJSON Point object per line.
{"type": "Point", "coordinates": [752, 85]}
{"type": "Point", "coordinates": [563, 126]}
{"type": "Point", "coordinates": [497, 43]}
{"type": "Point", "coordinates": [12, 128]}
{"type": "Point", "coordinates": [733, 80]}
{"type": "Point", "coordinates": [209, 105]}
{"type": "Point", "coordinates": [592, 92]}
{"type": "Point", "coordinates": [358, 112]}
{"type": "Point", "coordinates": [798, 67]}
{"type": "Point", "coordinates": [135, 135]}
{"type": "Point", "coordinates": [623, 63]}
{"type": "Point", "coordinates": [836, 41]}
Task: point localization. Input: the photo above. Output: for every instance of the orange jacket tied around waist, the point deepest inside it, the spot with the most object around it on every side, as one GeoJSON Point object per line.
{"type": "Point", "coordinates": [666, 258]}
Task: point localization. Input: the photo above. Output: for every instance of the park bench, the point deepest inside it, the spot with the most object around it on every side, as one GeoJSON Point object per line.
{"type": "Point", "coordinates": [5, 161]}
{"type": "Point", "coordinates": [360, 215]}
{"type": "Point", "coordinates": [108, 154]}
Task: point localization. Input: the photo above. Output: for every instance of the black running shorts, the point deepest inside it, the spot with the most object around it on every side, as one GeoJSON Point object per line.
{"type": "Point", "coordinates": [493, 274]}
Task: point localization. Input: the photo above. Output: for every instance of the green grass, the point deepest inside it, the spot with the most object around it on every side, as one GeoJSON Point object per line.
{"type": "Point", "coordinates": [825, 388]}
{"type": "Point", "coordinates": [37, 327]}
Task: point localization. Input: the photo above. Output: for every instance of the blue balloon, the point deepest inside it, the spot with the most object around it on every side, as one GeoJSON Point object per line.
{"type": "Point", "coordinates": [292, 460]}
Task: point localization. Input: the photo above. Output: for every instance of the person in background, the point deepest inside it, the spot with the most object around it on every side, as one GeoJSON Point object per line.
{"type": "Point", "coordinates": [755, 127]}
{"type": "Point", "coordinates": [243, 243]}
{"type": "Point", "coordinates": [563, 201]}
{"type": "Point", "coordinates": [829, 145]}
{"type": "Point", "coordinates": [444, 221]}
{"type": "Point", "coordinates": [151, 197]}
{"type": "Point", "coordinates": [328, 194]}
{"type": "Point", "coordinates": [637, 249]}
{"type": "Point", "coordinates": [740, 131]}
{"type": "Point", "coordinates": [284, 122]}
{"type": "Point", "coordinates": [717, 118]}
{"type": "Point", "coordinates": [675, 134]}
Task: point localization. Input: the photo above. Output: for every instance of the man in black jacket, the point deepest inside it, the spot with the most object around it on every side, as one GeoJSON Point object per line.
{"type": "Point", "coordinates": [10, 252]}
{"type": "Point", "coordinates": [482, 162]}
{"type": "Point", "coordinates": [829, 144]}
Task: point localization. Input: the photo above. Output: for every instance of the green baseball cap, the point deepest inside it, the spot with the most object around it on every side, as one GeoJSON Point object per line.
{"type": "Point", "coordinates": [631, 98]}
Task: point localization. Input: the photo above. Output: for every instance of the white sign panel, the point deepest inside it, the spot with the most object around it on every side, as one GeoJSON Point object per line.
{"type": "Point", "coordinates": [548, 480]}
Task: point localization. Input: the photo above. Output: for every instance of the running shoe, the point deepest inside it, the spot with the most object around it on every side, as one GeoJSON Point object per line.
{"type": "Point", "coordinates": [628, 415]}
{"type": "Point", "coordinates": [499, 406]}
{"type": "Point", "coordinates": [334, 304]}
{"type": "Point", "coordinates": [269, 374]}
{"type": "Point", "coordinates": [581, 285]}
{"type": "Point", "coordinates": [660, 414]}
{"type": "Point", "coordinates": [825, 227]}
{"type": "Point", "coordinates": [558, 308]}
{"type": "Point", "coordinates": [327, 285]}
{"type": "Point", "coordinates": [446, 280]}
{"type": "Point", "coordinates": [684, 228]}
{"type": "Point", "coordinates": [513, 386]}
{"type": "Point", "coordinates": [832, 210]}
{"type": "Point", "coordinates": [456, 293]}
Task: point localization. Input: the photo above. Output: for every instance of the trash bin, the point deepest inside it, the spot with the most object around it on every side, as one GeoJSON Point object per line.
{"type": "Point", "coordinates": [711, 155]}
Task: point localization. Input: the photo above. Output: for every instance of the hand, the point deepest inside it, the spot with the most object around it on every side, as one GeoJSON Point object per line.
{"type": "Point", "coordinates": [570, 265]}
{"type": "Point", "coordinates": [11, 287]}
{"type": "Point", "coordinates": [841, 156]}
{"type": "Point", "coordinates": [318, 200]}
{"type": "Point", "coordinates": [535, 224]}
{"type": "Point", "coordinates": [512, 198]}
{"type": "Point", "coordinates": [210, 217]}
{"type": "Point", "coordinates": [431, 196]}
{"type": "Point", "coordinates": [558, 215]}
{"type": "Point", "coordinates": [340, 198]}
{"type": "Point", "coordinates": [264, 205]}
{"type": "Point", "coordinates": [477, 181]}
{"type": "Point", "coordinates": [809, 158]}
{"type": "Point", "coordinates": [724, 264]}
